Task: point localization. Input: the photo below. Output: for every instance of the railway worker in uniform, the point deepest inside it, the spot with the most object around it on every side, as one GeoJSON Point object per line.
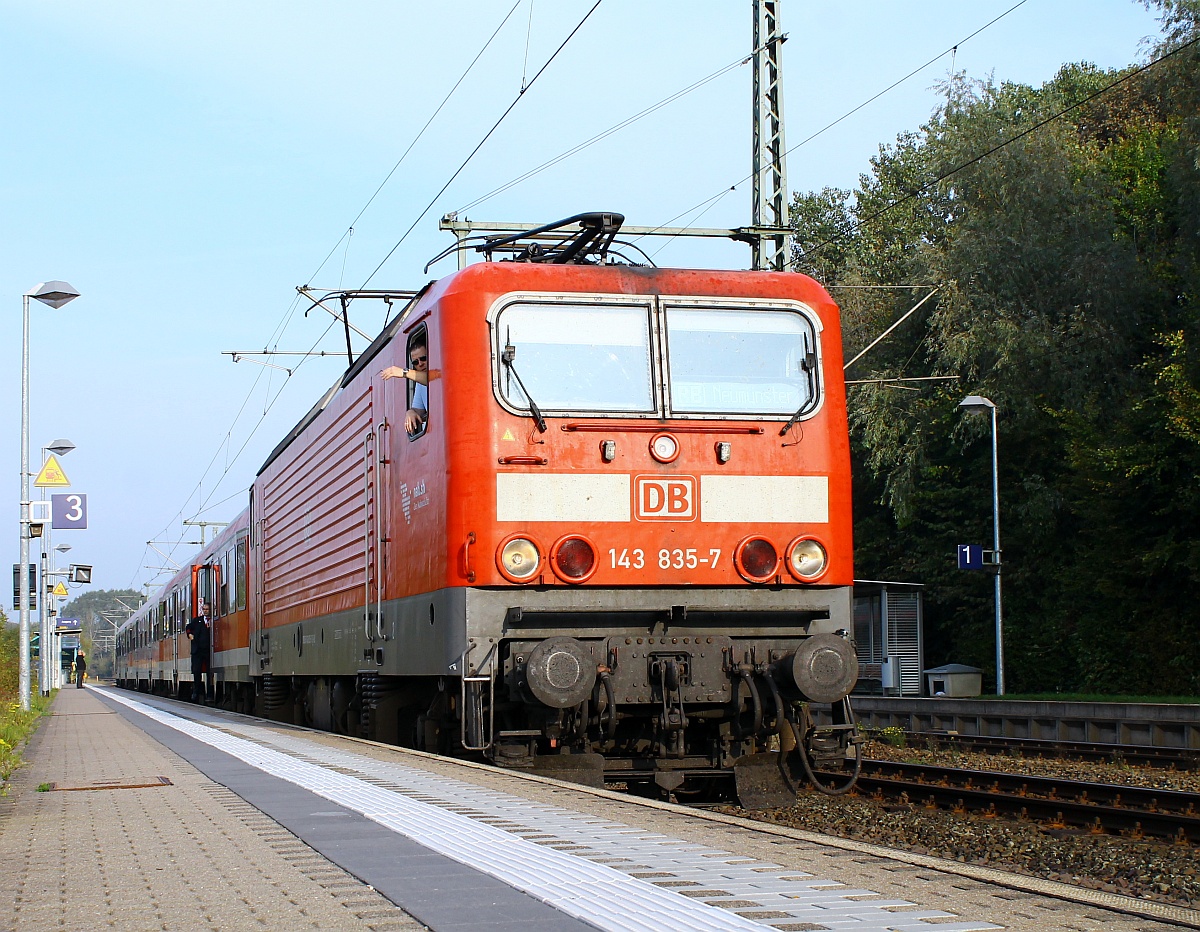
{"type": "Point", "coordinates": [418, 355]}
{"type": "Point", "coordinates": [80, 669]}
{"type": "Point", "coordinates": [197, 632]}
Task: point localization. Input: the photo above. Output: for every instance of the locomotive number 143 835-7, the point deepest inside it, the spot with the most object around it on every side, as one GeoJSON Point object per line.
{"type": "Point", "coordinates": [677, 559]}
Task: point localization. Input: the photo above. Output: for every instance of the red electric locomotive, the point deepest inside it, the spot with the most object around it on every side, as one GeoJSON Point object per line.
{"type": "Point", "coordinates": [613, 541]}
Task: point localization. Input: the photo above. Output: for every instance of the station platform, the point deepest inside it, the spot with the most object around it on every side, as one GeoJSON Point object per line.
{"type": "Point", "coordinates": [135, 813]}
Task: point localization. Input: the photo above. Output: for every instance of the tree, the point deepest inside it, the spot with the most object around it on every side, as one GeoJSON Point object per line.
{"type": "Point", "coordinates": [1061, 225]}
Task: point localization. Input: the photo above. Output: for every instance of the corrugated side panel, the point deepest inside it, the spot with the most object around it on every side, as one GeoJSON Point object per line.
{"type": "Point", "coordinates": [313, 560]}
{"type": "Point", "coordinates": [904, 639]}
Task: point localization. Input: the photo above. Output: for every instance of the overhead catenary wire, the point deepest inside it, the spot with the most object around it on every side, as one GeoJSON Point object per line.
{"type": "Point", "coordinates": [922, 189]}
{"type": "Point", "coordinates": [417, 137]}
{"type": "Point", "coordinates": [709, 205]}
{"type": "Point", "coordinates": [849, 113]}
{"type": "Point", "coordinates": [599, 137]}
{"type": "Point", "coordinates": [528, 36]}
{"type": "Point", "coordinates": [284, 322]}
{"type": "Point", "coordinates": [903, 317]}
{"type": "Point", "coordinates": [204, 502]}
{"type": "Point", "coordinates": [486, 137]}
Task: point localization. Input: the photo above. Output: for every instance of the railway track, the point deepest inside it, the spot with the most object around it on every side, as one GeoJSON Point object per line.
{"type": "Point", "coordinates": [1055, 803]}
{"type": "Point", "coordinates": [1141, 755]}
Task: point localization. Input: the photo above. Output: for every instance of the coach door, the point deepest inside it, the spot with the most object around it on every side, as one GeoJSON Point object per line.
{"type": "Point", "coordinates": [206, 588]}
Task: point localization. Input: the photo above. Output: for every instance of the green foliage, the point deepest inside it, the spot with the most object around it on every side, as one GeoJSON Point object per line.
{"type": "Point", "coordinates": [9, 662]}
{"type": "Point", "coordinates": [1068, 269]}
{"type": "Point", "coordinates": [893, 735]}
{"type": "Point", "coordinates": [15, 725]}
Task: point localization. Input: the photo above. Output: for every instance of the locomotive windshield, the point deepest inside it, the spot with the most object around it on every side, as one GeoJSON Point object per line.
{"type": "Point", "coordinates": [739, 361]}
{"type": "Point", "coordinates": [577, 356]}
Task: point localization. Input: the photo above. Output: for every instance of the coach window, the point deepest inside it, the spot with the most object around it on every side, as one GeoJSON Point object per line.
{"type": "Point", "coordinates": [240, 569]}
{"type": "Point", "coordinates": [741, 361]}
{"type": "Point", "coordinates": [575, 357]}
{"type": "Point", "coordinates": [224, 582]}
{"type": "Point", "coordinates": [416, 415]}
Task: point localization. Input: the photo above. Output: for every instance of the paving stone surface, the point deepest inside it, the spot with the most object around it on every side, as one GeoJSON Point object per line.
{"type": "Point", "coordinates": [1015, 902]}
{"type": "Point", "coordinates": [133, 837]}
{"type": "Point", "coordinates": [101, 852]}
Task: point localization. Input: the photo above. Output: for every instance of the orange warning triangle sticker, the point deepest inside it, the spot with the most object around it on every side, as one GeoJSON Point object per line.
{"type": "Point", "coordinates": [51, 474]}
{"type": "Point", "coordinates": [508, 435]}
{"type": "Point", "coordinates": [60, 589]}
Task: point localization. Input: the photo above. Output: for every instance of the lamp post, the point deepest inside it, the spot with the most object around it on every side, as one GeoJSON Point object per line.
{"type": "Point", "coordinates": [55, 294]}
{"type": "Point", "coordinates": [49, 601]}
{"type": "Point", "coordinates": [977, 404]}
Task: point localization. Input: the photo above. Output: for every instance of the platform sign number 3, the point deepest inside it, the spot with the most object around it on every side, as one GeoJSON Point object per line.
{"type": "Point", "coordinates": [68, 512]}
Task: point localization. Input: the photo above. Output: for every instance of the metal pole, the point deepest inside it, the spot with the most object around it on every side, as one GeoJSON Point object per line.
{"type": "Point", "coordinates": [768, 189]}
{"type": "Point", "coordinates": [44, 607]}
{"type": "Point", "coordinates": [44, 613]}
{"type": "Point", "coordinates": [23, 572]}
{"type": "Point", "coordinates": [996, 548]}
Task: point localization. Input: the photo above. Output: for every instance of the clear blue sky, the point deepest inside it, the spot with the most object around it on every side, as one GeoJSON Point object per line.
{"type": "Point", "coordinates": [186, 165]}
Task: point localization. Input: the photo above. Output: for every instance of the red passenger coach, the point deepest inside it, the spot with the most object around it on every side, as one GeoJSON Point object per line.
{"type": "Point", "coordinates": [153, 650]}
{"type": "Point", "coordinates": [617, 544]}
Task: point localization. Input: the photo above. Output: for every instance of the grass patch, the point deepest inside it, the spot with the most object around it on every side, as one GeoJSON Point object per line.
{"type": "Point", "coordinates": [15, 725]}
{"type": "Point", "coordinates": [15, 728]}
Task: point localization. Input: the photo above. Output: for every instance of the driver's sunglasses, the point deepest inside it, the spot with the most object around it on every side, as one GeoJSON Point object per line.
{"type": "Point", "coordinates": [417, 360]}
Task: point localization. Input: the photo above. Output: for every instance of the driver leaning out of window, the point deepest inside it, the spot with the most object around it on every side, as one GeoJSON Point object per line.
{"type": "Point", "coordinates": [418, 355]}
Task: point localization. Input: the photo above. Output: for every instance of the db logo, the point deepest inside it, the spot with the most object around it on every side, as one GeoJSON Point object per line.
{"type": "Point", "coordinates": [662, 498]}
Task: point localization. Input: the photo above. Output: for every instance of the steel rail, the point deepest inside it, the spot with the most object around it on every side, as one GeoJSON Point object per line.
{"type": "Point", "coordinates": [1058, 803]}
{"type": "Point", "coordinates": [1181, 758]}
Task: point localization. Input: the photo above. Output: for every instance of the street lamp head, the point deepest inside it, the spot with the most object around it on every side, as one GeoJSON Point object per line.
{"type": "Point", "coordinates": [55, 294]}
{"type": "Point", "coordinates": [63, 548]}
{"type": "Point", "coordinates": [60, 447]}
{"type": "Point", "coordinates": [976, 404]}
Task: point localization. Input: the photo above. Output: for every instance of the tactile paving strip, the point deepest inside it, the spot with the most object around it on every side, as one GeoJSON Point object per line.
{"type": "Point", "coordinates": [581, 865]}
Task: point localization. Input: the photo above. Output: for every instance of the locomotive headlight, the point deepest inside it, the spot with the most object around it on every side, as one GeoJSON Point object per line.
{"type": "Point", "coordinates": [519, 559]}
{"type": "Point", "coordinates": [664, 448]}
{"type": "Point", "coordinates": [807, 559]}
{"type": "Point", "coordinates": [573, 559]}
{"type": "Point", "coordinates": [756, 559]}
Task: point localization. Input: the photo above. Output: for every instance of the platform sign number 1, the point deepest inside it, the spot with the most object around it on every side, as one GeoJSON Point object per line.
{"type": "Point", "coordinates": [68, 512]}
{"type": "Point", "coordinates": [970, 556]}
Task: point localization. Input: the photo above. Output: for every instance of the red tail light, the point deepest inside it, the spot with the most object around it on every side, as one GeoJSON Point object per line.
{"type": "Point", "coordinates": [573, 559]}
{"type": "Point", "coordinates": [757, 560]}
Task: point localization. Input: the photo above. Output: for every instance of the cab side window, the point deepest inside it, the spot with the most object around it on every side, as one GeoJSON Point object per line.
{"type": "Point", "coordinates": [416, 415]}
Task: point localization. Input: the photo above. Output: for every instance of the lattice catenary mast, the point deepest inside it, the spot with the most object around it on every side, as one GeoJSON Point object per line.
{"type": "Point", "coordinates": [769, 192]}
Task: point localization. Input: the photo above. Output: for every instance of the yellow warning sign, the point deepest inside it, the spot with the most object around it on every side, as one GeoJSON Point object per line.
{"type": "Point", "coordinates": [508, 435]}
{"type": "Point", "coordinates": [51, 474]}
{"type": "Point", "coordinates": [60, 589]}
